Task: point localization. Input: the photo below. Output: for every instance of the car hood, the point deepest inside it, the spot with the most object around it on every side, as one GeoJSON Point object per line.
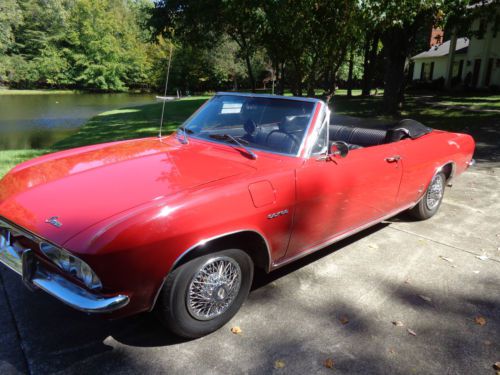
{"type": "Point", "coordinates": [83, 186]}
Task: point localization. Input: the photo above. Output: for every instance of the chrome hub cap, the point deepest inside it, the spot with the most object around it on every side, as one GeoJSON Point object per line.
{"type": "Point", "coordinates": [213, 288]}
{"type": "Point", "coordinates": [434, 193]}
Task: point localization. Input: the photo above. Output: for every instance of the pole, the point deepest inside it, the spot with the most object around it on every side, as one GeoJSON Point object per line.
{"type": "Point", "coordinates": [166, 86]}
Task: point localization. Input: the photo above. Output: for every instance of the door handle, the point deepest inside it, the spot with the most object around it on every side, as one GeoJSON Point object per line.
{"type": "Point", "coordinates": [392, 159]}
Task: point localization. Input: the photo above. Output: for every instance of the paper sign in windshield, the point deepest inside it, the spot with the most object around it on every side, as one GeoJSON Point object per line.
{"type": "Point", "coordinates": [231, 108]}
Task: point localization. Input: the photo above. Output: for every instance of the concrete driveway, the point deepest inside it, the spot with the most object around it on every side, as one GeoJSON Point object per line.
{"type": "Point", "coordinates": [338, 304]}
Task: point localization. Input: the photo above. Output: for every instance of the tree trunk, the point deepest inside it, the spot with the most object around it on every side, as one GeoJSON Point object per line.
{"type": "Point", "coordinates": [349, 75]}
{"type": "Point", "coordinates": [250, 72]}
{"type": "Point", "coordinates": [396, 44]}
{"type": "Point", "coordinates": [370, 62]}
{"type": "Point", "coordinates": [451, 58]}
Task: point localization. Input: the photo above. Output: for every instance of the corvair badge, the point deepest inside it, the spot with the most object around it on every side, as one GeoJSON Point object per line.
{"type": "Point", "coordinates": [54, 221]}
{"type": "Point", "coordinates": [276, 214]}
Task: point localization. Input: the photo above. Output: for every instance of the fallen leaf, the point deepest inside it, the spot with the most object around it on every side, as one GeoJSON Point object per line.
{"type": "Point", "coordinates": [482, 257]}
{"type": "Point", "coordinates": [487, 342]}
{"type": "Point", "coordinates": [329, 363]}
{"type": "Point", "coordinates": [236, 330]}
{"type": "Point", "coordinates": [447, 259]}
{"type": "Point", "coordinates": [344, 320]}
{"type": "Point", "coordinates": [496, 365]}
{"type": "Point", "coordinates": [407, 281]}
{"type": "Point", "coordinates": [373, 246]}
{"type": "Point", "coordinates": [279, 363]}
{"type": "Point", "coordinates": [398, 323]}
{"type": "Point", "coordinates": [480, 320]}
{"type": "Point", "coordinates": [411, 332]}
{"type": "Point", "coordinates": [425, 298]}
{"type": "Point", "coordinates": [391, 351]}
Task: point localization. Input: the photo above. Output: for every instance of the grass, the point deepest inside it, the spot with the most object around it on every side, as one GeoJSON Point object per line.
{"type": "Point", "coordinates": [448, 112]}
{"type": "Point", "coordinates": [440, 111]}
{"type": "Point", "coordinates": [36, 92]}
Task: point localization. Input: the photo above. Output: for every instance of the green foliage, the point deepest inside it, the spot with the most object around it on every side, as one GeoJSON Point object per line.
{"type": "Point", "coordinates": [93, 44]}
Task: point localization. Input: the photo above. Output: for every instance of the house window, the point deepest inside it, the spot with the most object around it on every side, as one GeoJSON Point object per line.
{"type": "Point", "coordinates": [431, 72]}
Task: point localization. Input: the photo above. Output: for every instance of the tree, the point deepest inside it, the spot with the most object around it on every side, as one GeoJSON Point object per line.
{"type": "Point", "coordinates": [307, 41]}
{"type": "Point", "coordinates": [202, 23]}
{"type": "Point", "coordinates": [399, 23]}
{"type": "Point", "coordinates": [10, 18]}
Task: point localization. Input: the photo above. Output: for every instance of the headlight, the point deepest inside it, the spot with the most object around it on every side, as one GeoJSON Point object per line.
{"type": "Point", "coordinates": [72, 265]}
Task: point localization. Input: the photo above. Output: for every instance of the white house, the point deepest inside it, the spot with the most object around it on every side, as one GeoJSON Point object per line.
{"type": "Point", "coordinates": [476, 62]}
{"type": "Point", "coordinates": [433, 64]}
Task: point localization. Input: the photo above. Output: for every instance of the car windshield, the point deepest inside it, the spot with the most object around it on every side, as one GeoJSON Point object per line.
{"type": "Point", "coordinates": [270, 124]}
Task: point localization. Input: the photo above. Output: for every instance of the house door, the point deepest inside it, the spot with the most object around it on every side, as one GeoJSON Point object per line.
{"type": "Point", "coordinates": [475, 73]}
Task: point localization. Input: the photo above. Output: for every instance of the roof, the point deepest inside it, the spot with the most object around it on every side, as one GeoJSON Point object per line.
{"type": "Point", "coordinates": [444, 49]}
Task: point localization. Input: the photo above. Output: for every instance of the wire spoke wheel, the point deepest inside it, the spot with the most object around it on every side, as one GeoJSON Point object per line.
{"type": "Point", "coordinates": [434, 192]}
{"type": "Point", "coordinates": [213, 288]}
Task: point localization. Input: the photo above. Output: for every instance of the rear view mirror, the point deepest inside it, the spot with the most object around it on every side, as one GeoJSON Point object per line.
{"type": "Point", "coordinates": [339, 148]}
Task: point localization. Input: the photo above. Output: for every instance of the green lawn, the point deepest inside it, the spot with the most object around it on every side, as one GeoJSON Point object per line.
{"type": "Point", "coordinates": [456, 113]}
{"type": "Point", "coordinates": [440, 111]}
{"type": "Point", "coordinates": [36, 92]}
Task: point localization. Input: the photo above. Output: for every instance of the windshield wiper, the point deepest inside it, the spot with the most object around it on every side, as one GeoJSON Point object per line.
{"type": "Point", "coordinates": [239, 141]}
{"type": "Point", "coordinates": [185, 132]}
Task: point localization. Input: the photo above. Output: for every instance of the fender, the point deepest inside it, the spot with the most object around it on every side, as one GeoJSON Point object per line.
{"type": "Point", "coordinates": [202, 243]}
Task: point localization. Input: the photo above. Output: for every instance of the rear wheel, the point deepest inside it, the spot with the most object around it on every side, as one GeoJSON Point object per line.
{"type": "Point", "coordinates": [431, 201]}
{"type": "Point", "coordinates": [203, 294]}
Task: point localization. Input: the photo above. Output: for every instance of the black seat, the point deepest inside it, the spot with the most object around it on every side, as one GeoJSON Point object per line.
{"type": "Point", "coordinates": [287, 138]}
{"type": "Point", "coordinates": [357, 136]}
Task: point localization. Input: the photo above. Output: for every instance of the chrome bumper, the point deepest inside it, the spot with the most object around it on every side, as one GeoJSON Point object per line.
{"type": "Point", "coordinates": [24, 263]}
{"type": "Point", "coordinates": [471, 163]}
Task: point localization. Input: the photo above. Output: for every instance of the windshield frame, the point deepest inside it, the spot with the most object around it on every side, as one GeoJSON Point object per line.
{"type": "Point", "coordinates": [267, 96]}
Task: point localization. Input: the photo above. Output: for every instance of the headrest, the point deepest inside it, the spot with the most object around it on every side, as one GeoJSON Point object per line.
{"type": "Point", "coordinates": [292, 124]}
{"type": "Point", "coordinates": [249, 126]}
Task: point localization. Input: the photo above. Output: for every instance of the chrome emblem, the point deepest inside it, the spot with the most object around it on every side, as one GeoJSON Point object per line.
{"type": "Point", "coordinates": [54, 221]}
{"type": "Point", "coordinates": [277, 214]}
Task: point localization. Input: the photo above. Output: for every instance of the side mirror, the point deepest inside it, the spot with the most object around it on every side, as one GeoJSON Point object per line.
{"type": "Point", "coordinates": [339, 148]}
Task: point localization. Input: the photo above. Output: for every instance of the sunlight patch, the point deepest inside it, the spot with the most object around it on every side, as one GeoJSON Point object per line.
{"type": "Point", "coordinates": [119, 111]}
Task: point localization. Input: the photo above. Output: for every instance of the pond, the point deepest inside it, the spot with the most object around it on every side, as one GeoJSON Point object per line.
{"type": "Point", "coordinates": [39, 120]}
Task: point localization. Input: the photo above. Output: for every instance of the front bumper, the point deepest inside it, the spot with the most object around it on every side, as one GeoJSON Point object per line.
{"type": "Point", "coordinates": [36, 276]}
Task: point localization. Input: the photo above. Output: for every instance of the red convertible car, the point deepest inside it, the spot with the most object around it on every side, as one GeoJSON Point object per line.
{"type": "Point", "coordinates": [177, 224]}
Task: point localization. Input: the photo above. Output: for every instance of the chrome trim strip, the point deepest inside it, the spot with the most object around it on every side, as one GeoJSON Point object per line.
{"type": "Point", "coordinates": [449, 180]}
{"type": "Point", "coordinates": [269, 96]}
{"type": "Point", "coordinates": [308, 129]}
{"type": "Point", "coordinates": [203, 242]}
{"type": "Point", "coordinates": [337, 238]}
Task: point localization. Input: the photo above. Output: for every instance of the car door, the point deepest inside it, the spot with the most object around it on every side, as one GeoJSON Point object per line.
{"type": "Point", "coordinates": [337, 195]}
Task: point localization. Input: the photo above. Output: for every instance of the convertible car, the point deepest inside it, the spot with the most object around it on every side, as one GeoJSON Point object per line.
{"type": "Point", "coordinates": [178, 224]}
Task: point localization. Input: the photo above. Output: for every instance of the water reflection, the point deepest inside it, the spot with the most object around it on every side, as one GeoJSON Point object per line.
{"type": "Point", "coordinates": [38, 121]}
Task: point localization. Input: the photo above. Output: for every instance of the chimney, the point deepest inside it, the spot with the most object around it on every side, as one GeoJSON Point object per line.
{"type": "Point", "coordinates": [437, 35]}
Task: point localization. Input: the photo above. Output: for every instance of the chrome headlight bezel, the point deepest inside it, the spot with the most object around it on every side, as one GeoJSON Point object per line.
{"type": "Point", "coordinates": [71, 265]}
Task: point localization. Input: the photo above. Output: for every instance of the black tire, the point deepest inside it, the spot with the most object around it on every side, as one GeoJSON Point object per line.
{"type": "Point", "coordinates": [423, 210]}
{"type": "Point", "coordinates": [172, 304]}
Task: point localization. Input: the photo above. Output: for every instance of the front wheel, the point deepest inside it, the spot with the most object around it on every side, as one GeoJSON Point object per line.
{"type": "Point", "coordinates": [430, 202]}
{"type": "Point", "coordinates": [203, 294]}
